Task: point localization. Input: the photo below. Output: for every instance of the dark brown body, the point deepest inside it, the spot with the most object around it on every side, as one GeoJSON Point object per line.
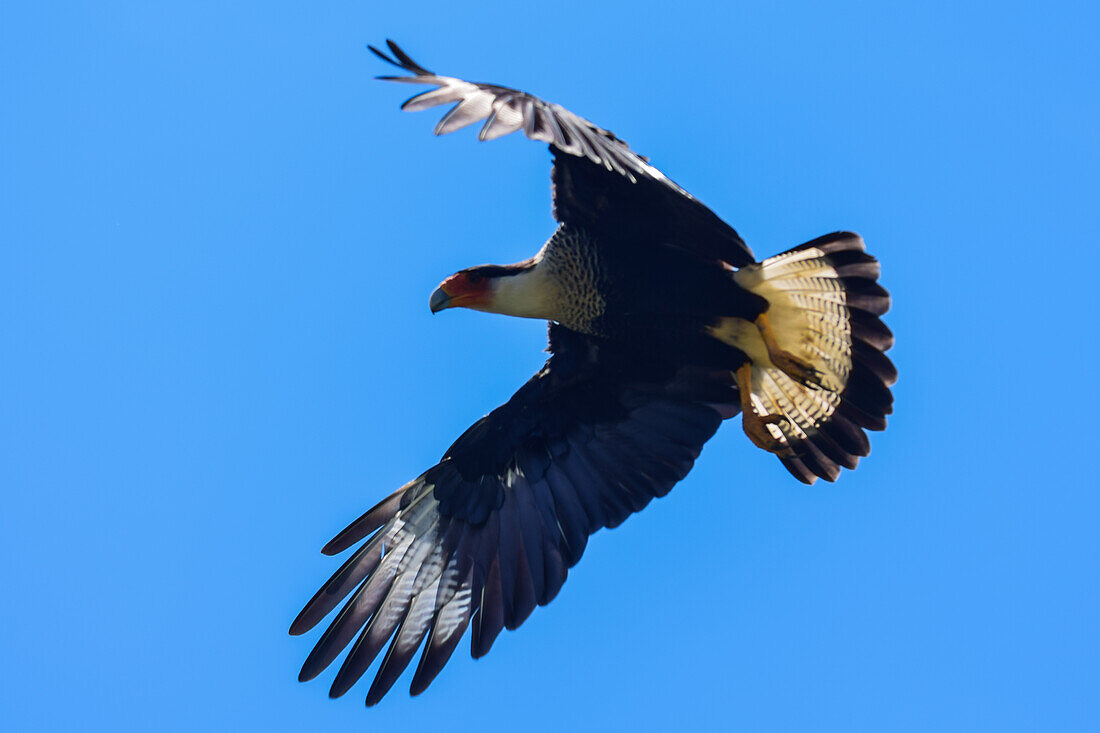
{"type": "Point", "coordinates": [652, 296]}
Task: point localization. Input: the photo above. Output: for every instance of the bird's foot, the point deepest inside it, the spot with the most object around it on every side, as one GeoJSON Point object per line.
{"type": "Point", "coordinates": [754, 424]}
{"type": "Point", "coordinates": [793, 366]}
{"type": "Point", "coordinates": [796, 368]}
{"type": "Point", "coordinates": [756, 427]}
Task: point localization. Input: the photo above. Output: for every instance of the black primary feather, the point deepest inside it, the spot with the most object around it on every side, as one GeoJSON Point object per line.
{"type": "Point", "coordinates": [488, 534]}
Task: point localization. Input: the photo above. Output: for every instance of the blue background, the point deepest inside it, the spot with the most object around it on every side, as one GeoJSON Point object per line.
{"type": "Point", "coordinates": [217, 240]}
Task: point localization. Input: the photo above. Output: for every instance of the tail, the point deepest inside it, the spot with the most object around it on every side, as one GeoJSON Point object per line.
{"type": "Point", "coordinates": [824, 308]}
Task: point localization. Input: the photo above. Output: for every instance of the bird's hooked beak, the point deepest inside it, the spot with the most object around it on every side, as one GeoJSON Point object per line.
{"type": "Point", "coordinates": [462, 290]}
{"type": "Point", "coordinates": [440, 300]}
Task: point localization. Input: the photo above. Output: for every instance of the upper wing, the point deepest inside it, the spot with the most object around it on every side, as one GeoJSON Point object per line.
{"type": "Point", "coordinates": [599, 182]}
{"type": "Point", "coordinates": [491, 530]}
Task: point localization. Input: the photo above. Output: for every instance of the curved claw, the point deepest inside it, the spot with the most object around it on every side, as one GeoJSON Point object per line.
{"type": "Point", "coordinates": [754, 424]}
{"type": "Point", "coordinates": [756, 427]}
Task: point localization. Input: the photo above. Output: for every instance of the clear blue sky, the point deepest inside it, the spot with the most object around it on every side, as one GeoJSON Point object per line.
{"type": "Point", "coordinates": [217, 240]}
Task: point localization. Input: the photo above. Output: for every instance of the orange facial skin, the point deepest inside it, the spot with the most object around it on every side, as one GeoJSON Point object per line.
{"type": "Point", "coordinates": [461, 290]}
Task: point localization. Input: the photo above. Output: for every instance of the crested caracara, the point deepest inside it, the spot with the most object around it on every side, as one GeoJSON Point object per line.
{"type": "Point", "coordinates": [662, 325]}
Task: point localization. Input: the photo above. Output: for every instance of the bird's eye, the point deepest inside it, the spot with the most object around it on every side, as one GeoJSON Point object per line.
{"type": "Point", "coordinates": [473, 278]}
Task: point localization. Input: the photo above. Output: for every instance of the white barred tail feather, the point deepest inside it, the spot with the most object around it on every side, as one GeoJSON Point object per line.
{"type": "Point", "coordinates": [824, 307]}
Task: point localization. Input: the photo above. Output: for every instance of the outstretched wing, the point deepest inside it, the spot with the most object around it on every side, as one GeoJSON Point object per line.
{"type": "Point", "coordinates": [490, 531]}
{"type": "Point", "coordinates": [600, 184]}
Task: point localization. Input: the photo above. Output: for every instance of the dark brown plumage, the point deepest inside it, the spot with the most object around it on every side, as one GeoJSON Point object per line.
{"type": "Point", "coordinates": [662, 325]}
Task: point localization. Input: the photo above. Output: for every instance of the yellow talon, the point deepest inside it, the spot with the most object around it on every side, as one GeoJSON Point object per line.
{"type": "Point", "coordinates": [754, 425]}
{"type": "Point", "coordinates": [794, 367]}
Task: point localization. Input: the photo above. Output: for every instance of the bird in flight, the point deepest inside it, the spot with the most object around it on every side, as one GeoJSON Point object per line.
{"type": "Point", "coordinates": [662, 324]}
